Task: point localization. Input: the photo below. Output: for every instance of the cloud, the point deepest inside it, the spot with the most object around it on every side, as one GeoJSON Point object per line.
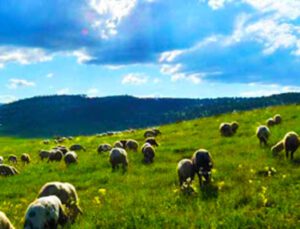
{"type": "Point", "coordinates": [7, 98]}
{"type": "Point", "coordinates": [134, 79]}
{"type": "Point", "coordinates": [63, 91]}
{"type": "Point", "coordinates": [50, 75]}
{"type": "Point", "coordinates": [17, 83]}
{"type": "Point", "coordinates": [92, 92]}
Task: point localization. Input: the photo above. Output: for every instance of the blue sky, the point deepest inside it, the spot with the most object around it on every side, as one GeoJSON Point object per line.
{"type": "Point", "coordinates": [149, 48]}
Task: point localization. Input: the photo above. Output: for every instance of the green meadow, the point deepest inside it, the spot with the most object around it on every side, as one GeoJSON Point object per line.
{"type": "Point", "coordinates": [242, 194]}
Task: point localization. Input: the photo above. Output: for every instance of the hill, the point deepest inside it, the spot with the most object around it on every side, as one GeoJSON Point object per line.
{"type": "Point", "coordinates": [148, 196]}
{"type": "Point", "coordinates": [79, 115]}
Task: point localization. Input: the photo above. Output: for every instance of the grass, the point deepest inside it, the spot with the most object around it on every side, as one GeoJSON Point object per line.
{"type": "Point", "coordinates": [148, 196]}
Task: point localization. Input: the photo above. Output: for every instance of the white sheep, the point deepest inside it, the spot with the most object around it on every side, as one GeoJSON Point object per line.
{"type": "Point", "coordinates": [67, 194]}
{"type": "Point", "coordinates": [185, 170]}
{"type": "Point", "coordinates": [104, 148]}
{"type": "Point", "coordinates": [118, 156]}
{"type": "Point", "coordinates": [263, 133]}
{"type": "Point", "coordinates": [45, 212]}
{"type": "Point", "coordinates": [4, 222]}
{"type": "Point", "coordinates": [71, 157]}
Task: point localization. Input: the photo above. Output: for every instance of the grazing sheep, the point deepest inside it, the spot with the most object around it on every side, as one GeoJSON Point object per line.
{"type": "Point", "coordinates": [6, 170]}
{"type": "Point", "coordinates": [70, 138]}
{"type": "Point", "coordinates": [149, 133]}
{"type": "Point", "coordinates": [291, 143]}
{"type": "Point", "coordinates": [149, 153]}
{"type": "Point", "coordinates": [118, 144]}
{"type": "Point", "coordinates": [118, 156]}
{"type": "Point", "coordinates": [44, 154]}
{"type": "Point", "coordinates": [61, 140]}
{"type": "Point", "coordinates": [63, 149]}
{"type": "Point", "coordinates": [132, 145]}
{"type": "Point", "coordinates": [25, 158]}
{"type": "Point", "coordinates": [185, 170]}
{"type": "Point", "coordinates": [203, 164]}
{"type": "Point", "coordinates": [226, 129]}
{"type": "Point", "coordinates": [1, 160]}
{"type": "Point", "coordinates": [45, 212]}
{"type": "Point", "coordinates": [277, 119]}
{"type": "Point", "coordinates": [46, 142]}
{"type": "Point", "coordinates": [4, 222]}
{"type": "Point", "coordinates": [152, 141]}
{"type": "Point", "coordinates": [234, 127]}
{"type": "Point", "coordinates": [67, 194]}
{"type": "Point", "coordinates": [71, 157]}
{"type": "Point", "coordinates": [263, 134]}
{"type": "Point", "coordinates": [104, 148]}
{"type": "Point", "coordinates": [55, 155]}
{"type": "Point", "coordinates": [12, 159]}
{"type": "Point", "coordinates": [277, 148]}
{"type": "Point", "coordinates": [77, 147]}
{"type": "Point", "coordinates": [270, 122]}
{"type": "Point", "coordinates": [156, 132]}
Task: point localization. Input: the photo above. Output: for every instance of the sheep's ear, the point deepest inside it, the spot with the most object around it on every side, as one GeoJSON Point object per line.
{"type": "Point", "coordinates": [62, 218]}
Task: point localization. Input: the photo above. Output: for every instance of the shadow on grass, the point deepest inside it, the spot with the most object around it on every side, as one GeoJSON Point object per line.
{"type": "Point", "coordinates": [209, 191]}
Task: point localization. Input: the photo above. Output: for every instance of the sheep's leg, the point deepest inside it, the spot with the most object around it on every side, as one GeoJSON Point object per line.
{"type": "Point", "coordinates": [200, 180]}
{"type": "Point", "coordinates": [292, 154]}
{"type": "Point", "coordinates": [287, 154]}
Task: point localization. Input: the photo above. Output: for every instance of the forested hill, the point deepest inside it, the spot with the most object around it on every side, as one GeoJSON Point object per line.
{"type": "Point", "coordinates": [80, 115]}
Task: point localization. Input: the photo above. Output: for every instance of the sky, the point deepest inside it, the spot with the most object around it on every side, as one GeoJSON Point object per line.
{"type": "Point", "coordinates": [149, 48]}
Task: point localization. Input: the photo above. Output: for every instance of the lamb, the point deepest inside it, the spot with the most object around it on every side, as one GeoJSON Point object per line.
{"type": "Point", "coordinates": [44, 154]}
{"type": "Point", "coordinates": [203, 164]}
{"type": "Point", "coordinates": [4, 222]}
{"type": "Point", "coordinates": [263, 134]}
{"type": "Point", "coordinates": [45, 212]}
{"type": "Point", "coordinates": [185, 170]}
{"type": "Point", "coordinates": [234, 126]}
{"type": "Point", "coordinates": [277, 119]}
{"type": "Point", "coordinates": [55, 155]}
{"type": "Point", "coordinates": [77, 147]}
{"type": "Point", "coordinates": [271, 122]}
{"type": "Point", "coordinates": [104, 148]}
{"type": "Point", "coordinates": [71, 157]}
{"type": "Point", "coordinates": [226, 129]}
{"type": "Point", "coordinates": [6, 170]}
{"type": "Point", "coordinates": [277, 148]}
{"type": "Point", "coordinates": [152, 141]}
{"type": "Point", "coordinates": [118, 156]}
{"type": "Point", "coordinates": [132, 145]}
{"type": "Point", "coordinates": [12, 159]}
{"type": "Point", "coordinates": [25, 158]}
{"type": "Point", "coordinates": [149, 153]}
{"type": "Point", "coordinates": [291, 143]}
{"type": "Point", "coordinates": [1, 160]}
{"type": "Point", "coordinates": [67, 194]}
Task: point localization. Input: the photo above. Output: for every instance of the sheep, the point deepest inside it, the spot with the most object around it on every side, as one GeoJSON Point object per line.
{"type": "Point", "coordinates": [277, 119]}
{"type": "Point", "coordinates": [70, 157]}
{"type": "Point", "coordinates": [25, 158]}
{"type": "Point", "coordinates": [45, 212]}
{"type": "Point", "coordinates": [46, 142]}
{"type": "Point", "coordinates": [203, 164]}
{"type": "Point", "coordinates": [104, 148]}
{"type": "Point", "coordinates": [77, 147]}
{"type": "Point", "coordinates": [67, 194]}
{"type": "Point", "coordinates": [156, 131]}
{"type": "Point", "coordinates": [234, 127]}
{"type": "Point", "coordinates": [4, 222]}
{"type": "Point", "coordinates": [6, 170]}
{"type": "Point", "coordinates": [152, 141]}
{"type": "Point", "coordinates": [61, 139]}
{"type": "Point", "coordinates": [119, 144]}
{"type": "Point", "coordinates": [63, 149]}
{"type": "Point", "coordinates": [270, 122]}
{"type": "Point", "coordinates": [185, 170]}
{"type": "Point", "coordinates": [70, 138]}
{"type": "Point", "coordinates": [1, 160]}
{"type": "Point", "coordinates": [148, 152]}
{"type": "Point", "coordinates": [263, 134]}
{"type": "Point", "coordinates": [149, 133]}
{"type": "Point", "coordinates": [118, 156]}
{"type": "Point", "coordinates": [291, 143]}
{"type": "Point", "coordinates": [55, 155]}
{"type": "Point", "coordinates": [132, 145]}
{"type": "Point", "coordinates": [277, 148]}
{"type": "Point", "coordinates": [12, 159]}
{"type": "Point", "coordinates": [44, 154]}
{"type": "Point", "coordinates": [226, 129]}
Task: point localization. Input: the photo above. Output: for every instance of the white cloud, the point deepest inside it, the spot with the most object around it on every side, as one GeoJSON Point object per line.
{"type": "Point", "coordinates": [10, 54]}
{"type": "Point", "coordinates": [135, 79]}
{"type": "Point", "coordinates": [81, 56]}
{"type": "Point", "coordinates": [169, 56]}
{"type": "Point", "coordinates": [92, 92]}
{"type": "Point", "coordinates": [169, 69]}
{"type": "Point", "coordinates": [156, 81]}
{"type": "Point", "coordinates": [268, 89]}
{"type": "Point", "coordinates": [7, 98]}
{"type": "Point", "coordinates": [63, 91]}
{"type": "Point", "coordinates": [17, 83]}
{"type": "Point", "coordinates": [50, 75]}
{"type": "Point", "coordinates": [193, 78]}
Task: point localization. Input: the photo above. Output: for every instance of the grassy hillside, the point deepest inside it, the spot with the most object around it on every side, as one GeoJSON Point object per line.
{"type": "Point", "coordinates": [148, 196]}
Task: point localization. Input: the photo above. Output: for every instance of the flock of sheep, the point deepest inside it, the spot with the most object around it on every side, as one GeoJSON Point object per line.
{"type": "Point", "coordinates": [57, 203]}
